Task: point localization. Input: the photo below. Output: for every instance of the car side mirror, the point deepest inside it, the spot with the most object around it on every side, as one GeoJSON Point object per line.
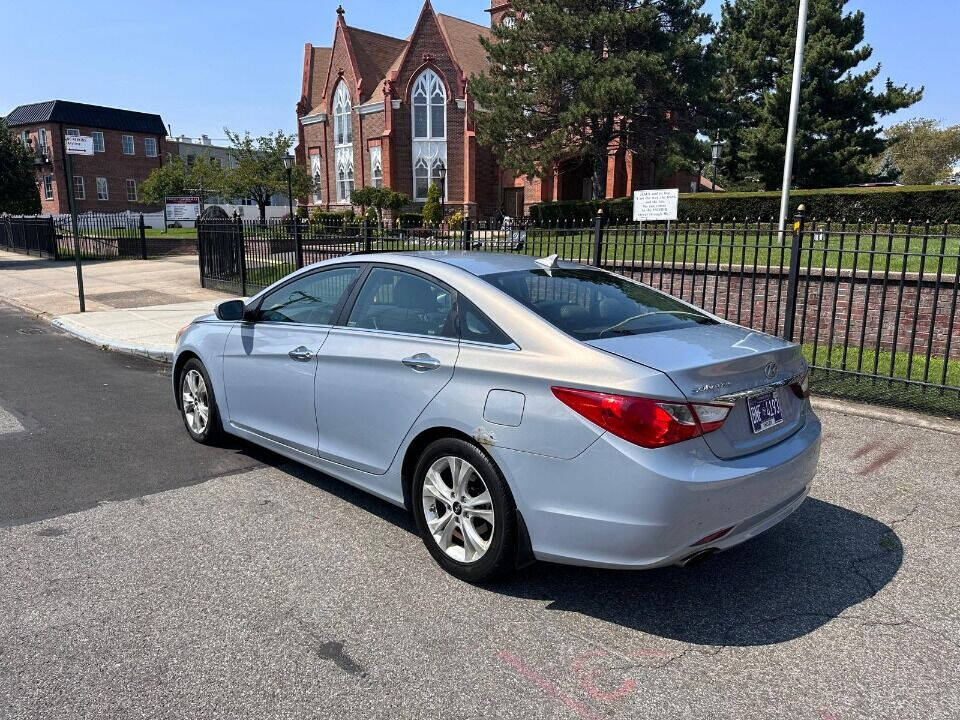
{"type": "Point", "coordinates": [230, 310]}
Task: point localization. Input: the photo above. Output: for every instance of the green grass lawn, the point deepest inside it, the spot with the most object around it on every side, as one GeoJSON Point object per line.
{"type": "Point", "coordinates": [171, 233]}
{"type": "Point", "coordinates": [881, 390]}
{"type": "Point", "coordinates": [886, 250]}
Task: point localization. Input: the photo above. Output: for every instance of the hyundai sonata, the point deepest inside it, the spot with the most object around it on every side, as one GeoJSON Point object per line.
{"type": "Point", "coordinates": [520, 408]}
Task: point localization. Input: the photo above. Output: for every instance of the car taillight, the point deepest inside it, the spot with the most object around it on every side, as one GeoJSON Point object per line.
{"type": "Point", "coordinates": [644, 421]}
{"type": "Point", "coordinates": [801, 388]}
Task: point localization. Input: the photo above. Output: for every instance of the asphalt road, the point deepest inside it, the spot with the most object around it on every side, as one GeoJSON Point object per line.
{"type": "Point", "coordinates": [97, 426]}
{"type": "Point", "coordinates": [280, 593]}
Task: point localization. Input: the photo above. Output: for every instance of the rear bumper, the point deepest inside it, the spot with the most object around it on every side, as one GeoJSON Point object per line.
{"type": "Point", "coordinates": [621, 506]}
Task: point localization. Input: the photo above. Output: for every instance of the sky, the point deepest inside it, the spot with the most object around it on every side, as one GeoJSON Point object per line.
{"type": "Point", "coordinates": [209, 64]}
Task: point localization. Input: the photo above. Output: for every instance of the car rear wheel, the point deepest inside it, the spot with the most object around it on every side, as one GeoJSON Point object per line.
{"type": "Point", "coordinates": [464, 511]}
{"type": "Point", "coordinates": [197, 404]}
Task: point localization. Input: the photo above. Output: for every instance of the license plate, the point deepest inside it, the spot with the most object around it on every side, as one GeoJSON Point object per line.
{"type": "Point", "coordinates": [765, 411]}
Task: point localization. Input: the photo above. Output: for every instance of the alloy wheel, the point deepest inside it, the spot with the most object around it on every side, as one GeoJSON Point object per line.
{"type": "Point", "coordinates": [196, 401]}
{"type": "Point", "coordinates": [458, 509]}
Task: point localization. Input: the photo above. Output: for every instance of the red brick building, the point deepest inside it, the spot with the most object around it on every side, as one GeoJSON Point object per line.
{"type": "Point", "coordinates": [128, 146]}
{"type": "Point", "coordinates": [380, 110]}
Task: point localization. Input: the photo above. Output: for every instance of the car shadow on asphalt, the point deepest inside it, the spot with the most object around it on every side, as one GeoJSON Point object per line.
{"type": "Point", "coordinates": [781, 585]}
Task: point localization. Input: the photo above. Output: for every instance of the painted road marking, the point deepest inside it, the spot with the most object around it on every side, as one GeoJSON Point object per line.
{"type": "Point", "coordinates": [8, 423]}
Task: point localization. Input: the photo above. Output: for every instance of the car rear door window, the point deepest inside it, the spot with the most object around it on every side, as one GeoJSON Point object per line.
{"type": "Point", "coordinates": [312, 299]}
{"type": "Point", "coordinates": [477, 327]}
{"type": "Point", "coordinates": [396, 301]}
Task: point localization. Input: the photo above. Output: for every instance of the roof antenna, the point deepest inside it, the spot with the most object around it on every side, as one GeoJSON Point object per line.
{"type": "Point", "coordinates": [551, 262]}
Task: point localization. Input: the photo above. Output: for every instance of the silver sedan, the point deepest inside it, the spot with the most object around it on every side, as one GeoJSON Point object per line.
{"type": "Point", "coordinates": [520, 408]}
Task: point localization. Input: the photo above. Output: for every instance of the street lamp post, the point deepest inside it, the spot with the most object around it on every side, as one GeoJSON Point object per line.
{"type": "Point", "coordinates": [442, 175]}
{"type": "Point", "coordinates": [717, 148]}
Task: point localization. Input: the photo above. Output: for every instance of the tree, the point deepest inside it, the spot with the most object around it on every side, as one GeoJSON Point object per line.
{"type": "Point", "coordinates": [839, 108]}
{"type": "Point", "coordinates": [19, 194]}
{"type": "Point", "coordinates": [570, 78]}
{"type": "Point", "coordinates": [380, 199]}
{"type": "Point", "coordinates": [923, 152]}
{"type": "Point", "coordinates": [432, 212]}
{"type": "Point", "coordinates": [259, 171]}
{"type": "Point", "coordinates": [176, 178]}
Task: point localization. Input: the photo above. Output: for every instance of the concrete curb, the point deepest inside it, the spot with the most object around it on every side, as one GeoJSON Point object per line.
{"type": "Point", "coordinates": [886, 414]}
{"type": "Point", "coordinates": [152, 353]}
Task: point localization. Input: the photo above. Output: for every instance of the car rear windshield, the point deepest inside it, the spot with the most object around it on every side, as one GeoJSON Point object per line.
{"type": "Point", "coordinates": [591, 304]}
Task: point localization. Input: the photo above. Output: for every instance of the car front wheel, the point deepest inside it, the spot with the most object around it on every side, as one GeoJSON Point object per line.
{"type": "Point", "coordinates": [464, 511]}
{"type": "Point", "coordinates": [197, 404]}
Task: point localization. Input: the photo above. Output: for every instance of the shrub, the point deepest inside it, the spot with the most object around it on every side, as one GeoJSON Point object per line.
{"type": "Point", "coordinates": [899, 204]}
{"type": "Point", "coordinates": [302, 212]}
{"type": "Point", "coordinates": [454, 221]}
{"type": "Point", "coordinates": [432, 212]}
{"type": "Point", "coordinates": [410, 220]}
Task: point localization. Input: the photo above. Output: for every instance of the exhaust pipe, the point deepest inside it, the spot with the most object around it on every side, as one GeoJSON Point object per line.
{"type": "Point", "coordinates": [697, 557]}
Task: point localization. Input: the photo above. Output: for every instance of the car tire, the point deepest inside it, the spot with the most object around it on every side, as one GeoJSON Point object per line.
{"type": "Point", "coordinates": [464, 511]}
{"type": "Point", "coordinates": [196, 399]}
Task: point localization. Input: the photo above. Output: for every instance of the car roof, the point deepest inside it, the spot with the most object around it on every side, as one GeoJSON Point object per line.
{"type": "Point", "coordinates": [486, 263]}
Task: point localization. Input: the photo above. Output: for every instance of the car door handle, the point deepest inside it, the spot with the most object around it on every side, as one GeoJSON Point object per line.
{"type": "Point", "coordinates": [301, 354]}
{"type": "Point", "coordinates": [421, 362]}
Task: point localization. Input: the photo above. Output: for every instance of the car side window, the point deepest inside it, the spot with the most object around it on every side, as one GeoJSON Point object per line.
{"type": "Point", "coordinates": [477, 327]}
{"type": "Point", "coordinates": [312, 299]}
{"type": "Point", "coordinates": [397, 301]}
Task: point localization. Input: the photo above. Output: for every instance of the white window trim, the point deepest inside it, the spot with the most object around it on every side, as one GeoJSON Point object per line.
{"type": "Point", "coordinates": [123, 145]}
{"type": "Point", "coordinates": [343, 151]}
{"type": "Point", "coordinates": [48, 187]}
{"type": "Point", "coordinates": [429, 150]}
{"type": "Point", "coordinates": [79, 189]}
{"type": "Point", "coordinates": [376, 163]}
{"type": "Point", "coordinates": [132, 182]}
{"type": "Point", "coordinates": [101, 146]}
{"type": "Point", "coordinates": [146, 147]}
{"type": "Point", "coordinates": [316, 169]}
{"type": "Point", "coordinates": [106, 189]}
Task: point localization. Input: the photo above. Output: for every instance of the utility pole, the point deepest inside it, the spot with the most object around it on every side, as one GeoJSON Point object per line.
{"type": "Point", "coordinates": [792, 124]}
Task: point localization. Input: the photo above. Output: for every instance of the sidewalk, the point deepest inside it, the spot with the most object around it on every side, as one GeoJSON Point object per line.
{"type": "Point", "coordinates": [133, 306]}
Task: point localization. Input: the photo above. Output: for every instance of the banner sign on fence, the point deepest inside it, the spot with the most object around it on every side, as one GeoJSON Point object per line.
{"type": "Point", "coordinates": [79, 144]}
{"type": "Point", "coordinates": [182, 208]}
{"type": "Point", "coordinates": [655, 205]}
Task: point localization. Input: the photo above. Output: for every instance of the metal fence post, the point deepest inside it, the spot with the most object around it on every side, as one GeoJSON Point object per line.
{"type": "Point", "coordinates": [467, 234]}
{"type": "Point", "coordinates": [366, 234]}
{"type": "Point", "coordinates": [143, 238]}
{"type": "Point", "coordinates": [298, 241]}
{"type": "Point", "coordinates": [53, 247]}
{"type": "Point", "coordinates": [243, 257]}
{"type": "Point", "coordinates": [200, 254]}
{"type": "Point", "coordinates": [598, 239]}
{"type": "Point", "coordinates": [790, 314]}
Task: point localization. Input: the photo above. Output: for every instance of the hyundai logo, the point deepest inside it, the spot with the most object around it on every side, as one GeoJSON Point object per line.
{"type": "Point", "coordinates": [771, 370]}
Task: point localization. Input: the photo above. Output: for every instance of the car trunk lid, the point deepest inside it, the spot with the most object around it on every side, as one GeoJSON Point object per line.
{"type": "Point", "coordinates": [711, 362]}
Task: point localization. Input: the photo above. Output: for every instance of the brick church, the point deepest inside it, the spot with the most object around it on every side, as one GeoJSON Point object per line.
{"type": "Point", "coordinates": [385, 111]}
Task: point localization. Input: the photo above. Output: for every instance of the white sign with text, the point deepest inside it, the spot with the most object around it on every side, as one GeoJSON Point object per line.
{"type": "Point", "coordinates": [79, 145]}
{"type": "Point", "coordinates": [655, 205]}
{"type": "Point", "coordinates": [182, 208]}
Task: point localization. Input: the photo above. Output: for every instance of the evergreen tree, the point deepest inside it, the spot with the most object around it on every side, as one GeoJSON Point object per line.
{"type": "Point", "coordinates": [839, 107]}
{"type": "Point", "coordinates": [572, 77]}
{"type": "Point", "coordinates": [19, 194]}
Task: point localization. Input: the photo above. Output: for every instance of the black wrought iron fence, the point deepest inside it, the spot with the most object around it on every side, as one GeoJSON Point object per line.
{"type": "Point", "coordinates": [100, 236]}
{"type": "Point", "coordinates": [874, 305]}
{"type": "Point", "coordinates": [30, 235]}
